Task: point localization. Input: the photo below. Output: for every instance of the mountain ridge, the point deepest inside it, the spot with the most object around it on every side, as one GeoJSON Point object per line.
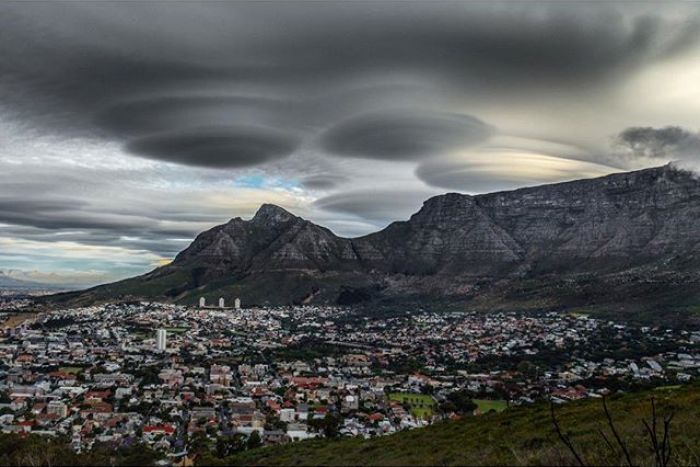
{"type": "Point", "coordinates": [628, 228]}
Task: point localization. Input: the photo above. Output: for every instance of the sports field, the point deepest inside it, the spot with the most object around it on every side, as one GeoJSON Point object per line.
{"type": "Point", "coordinates": [421, 405]}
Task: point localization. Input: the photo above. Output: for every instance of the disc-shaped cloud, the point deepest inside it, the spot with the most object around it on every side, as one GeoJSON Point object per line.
{"type": "Point", "coordinates": [168, 113]}
{"type": "Point", "coordinates": [404, 135]}
{"type": "Point", "coordinates": [216, 147]}
{"type": "Point", "coordinates": [375, 205]}
{"type": "Point", "coordinates": [494, 170]}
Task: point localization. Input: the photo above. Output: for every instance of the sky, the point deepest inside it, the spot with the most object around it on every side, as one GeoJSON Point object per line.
{"type": "Point", "coordinates": [128, 127]}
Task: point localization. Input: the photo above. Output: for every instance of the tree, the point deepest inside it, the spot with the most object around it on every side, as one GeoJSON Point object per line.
{"type": "Point", "coordinates": [199, 443]}
{"type": "Point", "coordinates": [459, 402]}
{"type": "Point", "coordinates": [254, 440]}
{"type": "Point", "coordinates": [328, 425]}
{"type": "Point", "coordinates": [227, 445]}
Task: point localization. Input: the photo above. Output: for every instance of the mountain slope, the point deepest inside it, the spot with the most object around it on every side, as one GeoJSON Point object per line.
{"type": "Point", "coordinates": [611, 240]}
{"type": "Point", "coordinates": [517, 436]}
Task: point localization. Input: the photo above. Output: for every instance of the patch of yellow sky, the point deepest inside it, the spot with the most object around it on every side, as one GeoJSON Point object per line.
{"type": "Point", "coordinates": [532, 167]}
{"type": "Point", "coordinates": [68, 249]}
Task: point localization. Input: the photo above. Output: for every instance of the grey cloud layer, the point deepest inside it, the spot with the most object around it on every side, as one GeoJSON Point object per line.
{"type": "Point", "coordinates": [149, 75]}
{"type": "Point", "coordinates": [671, 142]}
{"type": "Point", "coordinates": [46, 202]}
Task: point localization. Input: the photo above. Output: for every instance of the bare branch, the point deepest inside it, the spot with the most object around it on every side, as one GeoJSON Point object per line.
{"type": "Point", "coordinates": [615, 433]}
{"type": "Point", "coordinates": [654, 442]}
{"type": "Point", "coordinates": [564, 439]}
{"type": "Point", "coordinates": [666, 442]}
{"type": "Point", "coordinates": [607, 441]}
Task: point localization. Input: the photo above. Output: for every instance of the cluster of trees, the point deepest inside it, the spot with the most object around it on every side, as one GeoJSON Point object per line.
{"type": "Point", "coordinates": [54, 323]}
{"type": "Point", "coordinates": [329, 425]}
{"type": "Point", "coordinates": [208, 451]}
{"type": "Point", "coordinates": [459, 402]}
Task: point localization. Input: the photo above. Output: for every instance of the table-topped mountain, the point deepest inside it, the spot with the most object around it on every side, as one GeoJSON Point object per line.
{"type": "Point", "coordinates": [626, 240]}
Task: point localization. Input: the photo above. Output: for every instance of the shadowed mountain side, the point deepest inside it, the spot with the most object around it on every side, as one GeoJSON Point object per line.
{"type": "Point", "coordinates": [626, 240]}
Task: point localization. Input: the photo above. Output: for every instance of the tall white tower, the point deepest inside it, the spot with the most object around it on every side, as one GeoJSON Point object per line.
{"type": "Point", "coordinates": [161, 339]}
{"type": "Point", "coordinates": [202, 302]}
{"type": "Point", "coordinates": [221, 302]}
{"type": "Point", "coordinates": [237, 304]}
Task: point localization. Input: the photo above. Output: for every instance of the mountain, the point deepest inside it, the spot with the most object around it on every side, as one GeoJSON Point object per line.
{"type": "Point", "coordinates": [8, 282]}
{"type": "Point", "coordinates": [626, 240]}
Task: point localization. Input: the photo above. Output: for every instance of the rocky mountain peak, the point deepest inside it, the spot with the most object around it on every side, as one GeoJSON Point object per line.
{"type": "Point", "coordinates": [271, 214]}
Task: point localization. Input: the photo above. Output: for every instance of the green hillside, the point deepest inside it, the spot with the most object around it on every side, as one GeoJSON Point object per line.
{"type": "Point", "coordinates": [517, 436]}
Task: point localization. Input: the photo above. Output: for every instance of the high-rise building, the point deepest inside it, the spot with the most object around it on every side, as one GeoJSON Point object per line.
{"type": "Point", "coordinates": [161, 339]}
{"type": "Point", "coordinates": [202, 302]}
{"type": "Point", "coordinates": [221, 302]}
{"type": "Point", "coordinates": [237, 304]}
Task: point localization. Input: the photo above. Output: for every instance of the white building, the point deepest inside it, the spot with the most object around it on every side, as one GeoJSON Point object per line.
{"type": "Point", "coordinates": [161, 339]}
{"type": "Point", "coordinates": [298, 432]}
{"type": "Point", "coordinates": [202, 302]}
{"type": "Point", "coordinates": [57, 408]}
{"type": "Point", "coordinates": [287, 415]}
{"type": "Point", "coordinates": [237, 304]}
{"type": "Point", "coordinates": [221, 302]}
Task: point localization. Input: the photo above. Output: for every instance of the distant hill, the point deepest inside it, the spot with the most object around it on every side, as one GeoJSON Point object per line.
{"type": "Point", "coordinates": [627, 241]}
{"type": "Point", "coordinates": [517, 436]}
{"type": "Point", "coordinates": [11, 283]}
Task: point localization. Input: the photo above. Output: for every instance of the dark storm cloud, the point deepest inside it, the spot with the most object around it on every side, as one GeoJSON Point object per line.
{"type": "Point", "coordinates": [216, 147]}
{"type": "Point", "coordinates": [667, 143]}
{"type": "Point", "coordinates": [375, 205]}
{"type": "Point", "coordinates": [401, 134]}
{"type": "Point", "coordinates": [128, 69]}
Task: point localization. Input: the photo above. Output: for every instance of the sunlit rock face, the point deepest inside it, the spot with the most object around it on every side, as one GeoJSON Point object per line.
{"type": "Point", "coordinates": [640, 224]}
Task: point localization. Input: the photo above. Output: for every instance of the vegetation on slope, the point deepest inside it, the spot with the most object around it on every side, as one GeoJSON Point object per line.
{"type": "Point", "coordinates": [36, 450]}
{"type": "Point", "coordinates": [518, 436]}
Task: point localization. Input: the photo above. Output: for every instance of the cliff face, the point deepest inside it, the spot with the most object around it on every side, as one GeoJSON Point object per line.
{"type": "Point", "coordinates": [610, 222]}
{"type": "Point", "coordinates": [632, 227]}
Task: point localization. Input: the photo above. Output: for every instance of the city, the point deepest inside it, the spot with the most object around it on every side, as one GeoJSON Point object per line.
{"type": "Point", "coordinates": [171, 376]}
